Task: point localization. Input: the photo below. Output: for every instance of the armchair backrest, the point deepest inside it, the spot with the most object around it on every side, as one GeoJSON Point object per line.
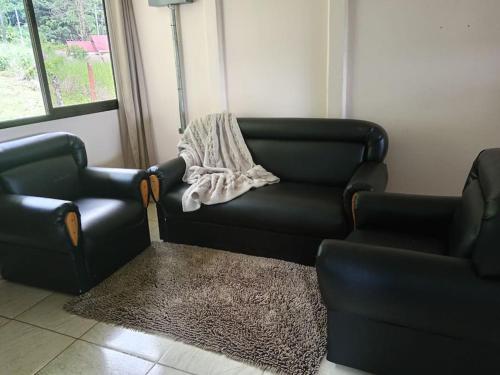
{"type": "Point", "coordinates": [475, 232]}
{"type": "Point", "coordinates": [44, 165]}
{"type": "Point", "coordinates": [320, 151]}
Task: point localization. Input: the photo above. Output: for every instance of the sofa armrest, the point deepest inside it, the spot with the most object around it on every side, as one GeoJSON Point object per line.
{"type": "Point", "coordinates": [39, 222]}
{"type": "Point", "coordinates": [369, 176]}
{"type": "Point", "coordinates": [422, 291]}
{"type": "Point", "coordinates": [116, 183]}
{"type": "Point", "coordinates": [405, 212]}
{"type": "Point", "coordinates": [164, 176]}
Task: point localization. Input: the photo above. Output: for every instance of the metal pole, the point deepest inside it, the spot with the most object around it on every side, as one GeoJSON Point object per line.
{"type": "Point", "coordinates": [178, 67]}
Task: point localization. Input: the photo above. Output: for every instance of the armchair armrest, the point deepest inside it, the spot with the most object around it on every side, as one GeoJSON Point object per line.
{"type": "Point", "coordinates": [164, 176]}
{"type": "Point", "coordinates": [116, 183]}
{"type": "Point", "coordinates": [369, 176]}
{"type": "Point", "coordinates": [39, 222]}
{"type": "Point", "coordinates": [406, 212]}
{"type": "Point", "coordinates": [422, 291]}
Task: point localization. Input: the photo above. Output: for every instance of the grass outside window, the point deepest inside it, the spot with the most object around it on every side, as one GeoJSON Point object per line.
{"type": "Point", "coordinates": [55, 60]}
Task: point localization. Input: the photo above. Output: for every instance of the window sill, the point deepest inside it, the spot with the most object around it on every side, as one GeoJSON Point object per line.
{"type": "Point", "coordinates": [64, 112]}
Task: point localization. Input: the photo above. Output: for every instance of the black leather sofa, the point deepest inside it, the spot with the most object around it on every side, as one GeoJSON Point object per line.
{"type": "Point", "coordinates": [63, 225]}
{"type": "Point", "coordinates": [321, 163]}
{"type": "Point", "coordinates": [415, 289]}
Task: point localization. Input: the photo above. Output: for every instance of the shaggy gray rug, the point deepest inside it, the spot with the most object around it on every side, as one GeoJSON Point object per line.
{"type": "Point", "coordinates": [262, 311]}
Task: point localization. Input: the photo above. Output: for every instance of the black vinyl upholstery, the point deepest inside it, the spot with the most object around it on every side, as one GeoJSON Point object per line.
{"type": "Point", "coordinates": [321, 164]}
{"type": "Point", "coordinates": [476, 226]}
{"type": "Point", "coordinates": [426, 243]}
{"type": "Point", "coordinates": [289, 203]}
{"type": "Point", "coordinates": [42, 179]}
{"type": "Point", "coordinates": [418, 274]}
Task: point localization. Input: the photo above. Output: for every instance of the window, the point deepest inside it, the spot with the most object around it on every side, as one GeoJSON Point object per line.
{"type": "Point", "coordinates": [55, 60]}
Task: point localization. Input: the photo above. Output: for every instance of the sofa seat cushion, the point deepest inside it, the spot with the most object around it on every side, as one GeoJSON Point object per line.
{"type": "Point", "coordinates": [400, 240]}
{"type": "Point", "coordinates": [102, 217]}
{"type": "Point", "coordinates": [286, 207]}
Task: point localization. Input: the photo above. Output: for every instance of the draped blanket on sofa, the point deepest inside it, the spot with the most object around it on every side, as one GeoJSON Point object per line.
{"type": "Point", "coordinates": [219, 166]}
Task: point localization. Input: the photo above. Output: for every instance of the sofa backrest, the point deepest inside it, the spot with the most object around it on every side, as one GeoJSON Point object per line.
{"type": "Point", "coordinates": [475, 232]}
{"type": "Point", "coordinates": [319, 151]}
{"type": "Point", "coordinates": [44, 165]}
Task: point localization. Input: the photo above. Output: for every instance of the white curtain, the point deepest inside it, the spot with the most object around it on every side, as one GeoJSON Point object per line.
{"type": "Point", "coordinates": [134, 115]}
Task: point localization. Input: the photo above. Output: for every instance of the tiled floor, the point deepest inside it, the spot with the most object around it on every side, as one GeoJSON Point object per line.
{"type": "Point", "coordinates": [38, 336]}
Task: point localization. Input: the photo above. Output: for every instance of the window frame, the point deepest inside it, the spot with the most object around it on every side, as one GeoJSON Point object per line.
{"type": "Point", "coordinates": [56, 113]}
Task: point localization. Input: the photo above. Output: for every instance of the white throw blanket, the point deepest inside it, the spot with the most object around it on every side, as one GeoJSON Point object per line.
{"type": "Point", "coordinates": [219, 166]}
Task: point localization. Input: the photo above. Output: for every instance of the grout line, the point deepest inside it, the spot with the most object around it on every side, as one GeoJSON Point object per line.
{"type": "Point", "coordinates": [57, 355]}
{"type": "Point", "coordinates": [84, 333]}
{"type": "Point", "coordinates": [172, 367]}
{"type": "Point", "coordinates": [86, 341]}
{"type": "Point", "coordinates": [7, 321]}
{"type": "Point", "coordinates": [117, 350]}
{"type": "Point", "coordinates": [79, 338]}
{"type": "Point", "coordinates": [29, 308]}
{"type": "Point", "coordinates": [44, 328]}
{"type": "Point", "coordinates": [6, 324]}
{"type": "Point", "coordinates": [157, 362]}
{"type": "Point", "coordinates": [178, 369]}
{"type": "Point", "coordinates": [75, 339]}
{"type": "Point", "coordinates": [152, 366]}
{"type": "Point", "coordinates": [52, 330]}
{"type": "Point", "coordinates": [99, 346]}
{"type": "Point", "coordinates": [154, 363]}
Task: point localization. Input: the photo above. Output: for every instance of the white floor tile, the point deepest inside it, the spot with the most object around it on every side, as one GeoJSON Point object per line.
{"type": "Point", "coordinates": [17, 298]}
{"type": "Point", "coordinates": [197, 361]}
{"type": "Point", "coordinates": [164, 370]}
{"type": "Point", "coordinates": [147, 346]}
{"type": "Point", "coordinates": [329, 368]}
{"type": "Point", "coordinates": [87, 359]}
{"type": "Point", "coordinates": [50, 314]}
{"type": "Point", "coordinates": [25, 349]}
{"type": "Point", "coordinates": [3, 321]}
{"type": "Point", "coordinates": [154, 231]}
{"type": "Point", "coordinates": [152, 214]}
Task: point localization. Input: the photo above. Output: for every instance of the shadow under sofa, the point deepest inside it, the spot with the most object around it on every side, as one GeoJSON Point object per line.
{"type": "Point", "coordinates": [321, 164]}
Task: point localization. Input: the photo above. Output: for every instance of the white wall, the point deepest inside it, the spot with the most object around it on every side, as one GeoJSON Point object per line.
{"type": "Point", "coordinates": [426, 70]}
{"type": "Point", "coordinates": [99, 131]}
{"type": "Point", "coordinates": [276, 57]}
{"type": "Point", "coordinates": [274, 53]}
{"type": "Point", "coordinates": [157, 52]}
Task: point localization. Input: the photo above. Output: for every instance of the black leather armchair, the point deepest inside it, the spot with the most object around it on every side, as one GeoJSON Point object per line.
{"type": "Point", "coordinates": [415, 289]}
{"type": "Point", "coordinates": [63, 225]}
{"type": "Point", "coordinates": [321, 164]}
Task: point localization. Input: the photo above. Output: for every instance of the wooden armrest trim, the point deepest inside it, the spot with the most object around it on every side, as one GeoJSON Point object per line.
{"type": "Point", "coordinates": [71, 222]}
{"type": "Point", "coordinates": [155, 187]}
{"type": "Point", "coordinates": [145, 193]}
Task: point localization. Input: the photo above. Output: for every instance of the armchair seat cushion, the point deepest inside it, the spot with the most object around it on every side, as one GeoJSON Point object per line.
{"type": "Point", "coordinates": [113, 233]}
{"type": "Point", "coordinates": [101, 217]}
{"type": "Point", "coordinates": [410, 241]}
{"type": "Point", "coordinates": [292, 208]}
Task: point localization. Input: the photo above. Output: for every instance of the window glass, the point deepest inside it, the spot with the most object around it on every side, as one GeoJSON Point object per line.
{"type": "Point", "coordinates": [76, 52]}
{"type": "Point", "coordinates": [20, 94]}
